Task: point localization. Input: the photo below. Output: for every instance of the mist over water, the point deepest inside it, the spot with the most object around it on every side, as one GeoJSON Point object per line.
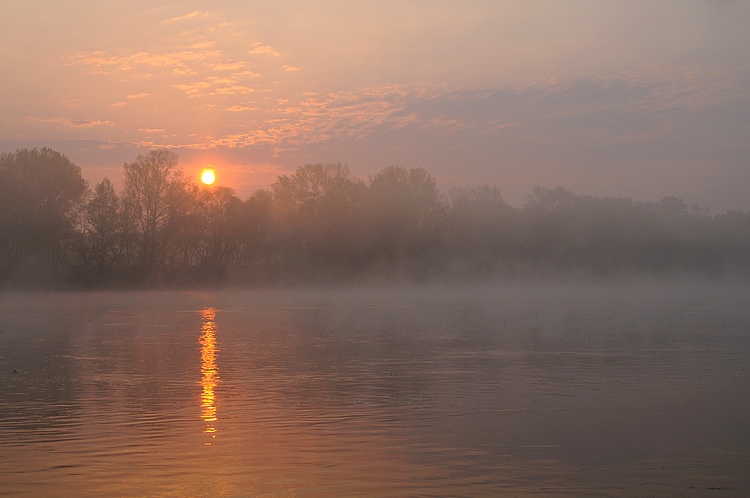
{"type": "Point", "coordinates": [561, 389]}
{"type": "Point", "coordinates": [323, 225]}
{"type": "Point", "coordinates": [487, 248]}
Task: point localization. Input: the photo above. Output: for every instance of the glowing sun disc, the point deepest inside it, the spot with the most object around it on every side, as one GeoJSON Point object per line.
{"type": "Point", "coordinates": [208, 176]}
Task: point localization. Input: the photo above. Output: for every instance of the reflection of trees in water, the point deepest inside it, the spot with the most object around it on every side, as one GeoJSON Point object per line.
{"type": "Point", "coordinates": [209, 370]}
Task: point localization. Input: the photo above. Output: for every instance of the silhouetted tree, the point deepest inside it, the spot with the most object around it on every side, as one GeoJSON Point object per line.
{"type": "Point", "coordinates": [151, 182]}
{"type": "Point", "coordinates": [217, 231]}
{"type": "Point", "coordinates": [404, 217]}
{"type": "Point", "coordinates": [480, 229]}
{"type": "Point", "coordinates": [185, 228]}
{"type": "Point", "coordinates": [102, 221]}
{"type": "Point", "coordinates": [256, 231]}
{"type": "Point", "coordinates": [40, 195]}
{"type": "Point", "coordinates": [316, 213]}
{"type": "Point", "coordinates": [321, 222]}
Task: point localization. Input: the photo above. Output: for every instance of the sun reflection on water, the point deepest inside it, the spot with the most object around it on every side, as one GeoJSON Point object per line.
{"type": "Point", "coordinates": [209, 371]}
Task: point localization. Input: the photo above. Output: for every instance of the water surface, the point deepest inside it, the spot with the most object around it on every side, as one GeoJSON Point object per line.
{"type": "Point", "coordinates": [521, 390]}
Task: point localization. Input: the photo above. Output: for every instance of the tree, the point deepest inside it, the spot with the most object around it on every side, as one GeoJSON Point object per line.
{"type": "Point", "coordinates": [255, 221]}
{"type": "Point", "coordinates": [40, 194]}
{"type": "Point", "coordinates": [548, 235]}
{"type": "Point", "coordinates": [152, 182]}
{"type": "Point", "coordinates": [102, 219]}
{"type": "Point", "coordinates": [480, 228]}
{"type": "Point", "coordinates": [316, 210]}
{"type": "Point", "coordinates": [404, 215]}
{"type": "Point", "coordinates": [217, 231]}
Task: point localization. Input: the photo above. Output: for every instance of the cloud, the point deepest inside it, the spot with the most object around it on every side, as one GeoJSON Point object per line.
{"type": "Point", "coordinates": [70, 122]}
{"type": "Point", "coordinates": [584, 120]}
{"type": "Point", "coordinates": [194, 70]}
{"type": "Point", "coordinates": [214, 85]}
{"type": "Point", "coordinates": [179, 59]}
{"type": "Point", "coordinates": [188, 17]}
{"type": "Point", "coordinates": [192, 89]}
{"type": "Point", "coordinates": [202, 45]}
{"type": "Point", "coordinates": [233, 90]}
{"type": "Point", "coordinates": [573, 132]}
{"type": "Point", "coordinates": [228, 66]}
{"type": "Point", "coordinates": [260, 49]}
{"type": "Point", "coordinates": [666, 110]}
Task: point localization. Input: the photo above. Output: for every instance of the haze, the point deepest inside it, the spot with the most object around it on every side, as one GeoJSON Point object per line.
{"type": "Point", "coordinates": [634, 99]}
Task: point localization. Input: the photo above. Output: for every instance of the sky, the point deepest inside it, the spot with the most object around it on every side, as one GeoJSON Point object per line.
{"type": "Point", "coordinates": [634, 98]}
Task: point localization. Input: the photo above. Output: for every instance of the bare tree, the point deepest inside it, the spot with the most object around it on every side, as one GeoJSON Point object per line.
{"type": "Point", "coordinates": [102, 220]}
{"type": "Point", "coordinates": [217, 233]}
{"type": "Point", "coordinates": [150, 184]}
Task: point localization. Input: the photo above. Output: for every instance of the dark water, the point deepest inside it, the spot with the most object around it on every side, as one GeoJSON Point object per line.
{"type": "Point", "coordinates": [622, 390]}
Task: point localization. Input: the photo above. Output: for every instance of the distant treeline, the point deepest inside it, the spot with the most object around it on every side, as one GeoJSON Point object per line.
{"type": "Point", "coordinates": [322, 224]}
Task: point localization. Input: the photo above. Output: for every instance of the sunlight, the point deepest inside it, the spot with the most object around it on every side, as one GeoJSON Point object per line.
{"type": "Point", "coordinates": [209, 371]}
{"type": "Point", "coordinates": [208, 176]}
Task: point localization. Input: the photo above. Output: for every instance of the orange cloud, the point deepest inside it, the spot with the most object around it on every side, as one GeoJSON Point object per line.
{"type": "Point", "coordinates": [233, 90]}
{"type": "Point", "coordinates": [187, 17]}
{"type": "Point", "coordinates": [228, 66]}
{"type": "Point", "coordinates": [203, 44]}
{"type": "Point", "coordinates": [260, 49]}
{"type": "Point", "coordinates": [192, 89]}
{"type": "Point", "coordinates": [180, 60]}
{"type": "Point", "coordinates": [70, 122]}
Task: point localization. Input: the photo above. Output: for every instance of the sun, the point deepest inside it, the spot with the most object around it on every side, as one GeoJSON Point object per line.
{"type": "Point", "coordinates": [208, 176]}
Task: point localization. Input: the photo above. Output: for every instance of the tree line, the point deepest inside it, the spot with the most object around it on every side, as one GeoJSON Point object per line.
{"type": "Point", "coordinates": [323, 224]}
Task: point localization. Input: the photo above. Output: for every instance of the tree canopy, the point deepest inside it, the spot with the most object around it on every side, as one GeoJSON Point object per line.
{"type": "Point", "coordinates": [322, 223]}
{"type": "Point", "coordinates": [40, 195]}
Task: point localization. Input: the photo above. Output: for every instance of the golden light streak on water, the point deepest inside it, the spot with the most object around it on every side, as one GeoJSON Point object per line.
{"type": "Point", "coordinates": [209, 371]}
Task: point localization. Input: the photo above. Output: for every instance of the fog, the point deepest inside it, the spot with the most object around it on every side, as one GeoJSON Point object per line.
{"type": "Point", "coordinates": [348, 336]}
{"type": "Point", "coordinates": [324, 225]}
{"type": "Point", "coordinates": [613, 389]}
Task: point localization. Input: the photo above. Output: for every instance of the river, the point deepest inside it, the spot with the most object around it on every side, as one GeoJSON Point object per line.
{"type": "Point", "coordinates": [630, 389]}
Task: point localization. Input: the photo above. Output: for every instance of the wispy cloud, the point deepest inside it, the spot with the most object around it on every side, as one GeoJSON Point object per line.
{"type": "Point", "coordinates": [188, 17]}
{"type": "Point", "coordinates": [214, 85]}
{"type": "Point", "coordinates": [586, 113]}
{"type": "Point", "coordinates": [203, 69]}
{"type": "Point", "coordinates": [193, 89]}
{"type": "Point", "coordinates": [70, 122]}
{"type": "Point", "coordinates": [228, 66]}
{"type": "Point", "coordinates": [240, 108]}
{"type": "Point", "coordinates": [178, 59]}
{"type": "Point", "coordinates": [260, 49]}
